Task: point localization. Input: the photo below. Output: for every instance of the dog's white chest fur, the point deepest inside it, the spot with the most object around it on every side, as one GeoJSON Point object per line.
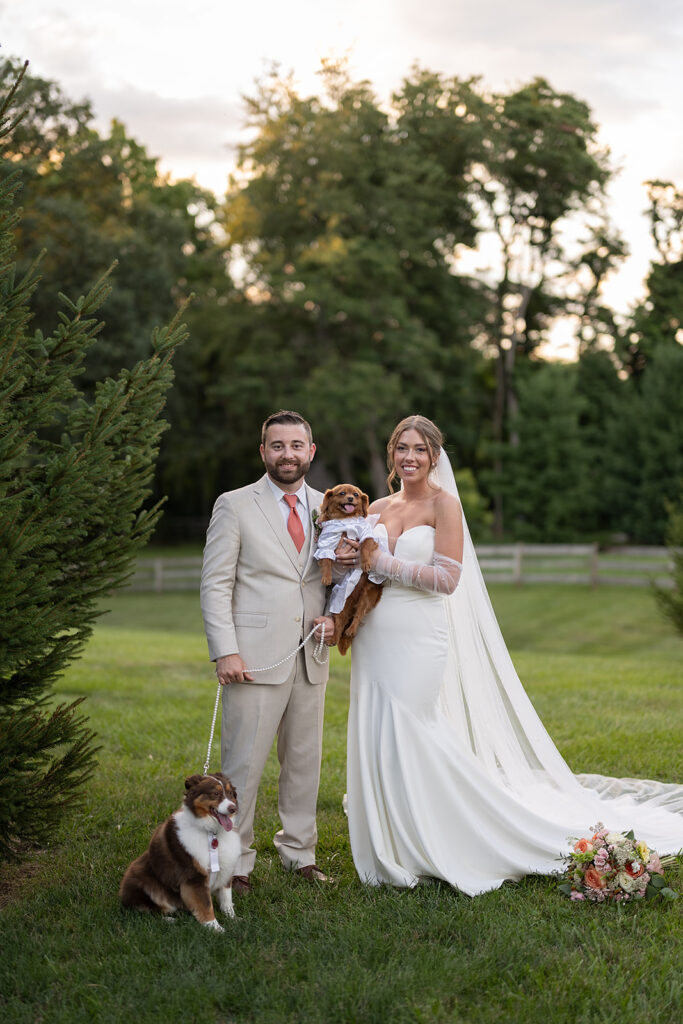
{"type": "Point", "coordinates": [194, 838]}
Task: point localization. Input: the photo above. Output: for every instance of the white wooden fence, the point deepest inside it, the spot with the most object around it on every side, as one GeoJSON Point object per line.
{"type": "Point", "coordinates": [573, 563]}
{"type": "Point", "coordinates": [161, 574]}
{"type": "Point", "coordinates": [500, 563]}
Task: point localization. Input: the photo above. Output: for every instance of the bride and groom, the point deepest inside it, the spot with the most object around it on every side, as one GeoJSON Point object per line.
{"type": "Point", "coordinates": [450, 772]}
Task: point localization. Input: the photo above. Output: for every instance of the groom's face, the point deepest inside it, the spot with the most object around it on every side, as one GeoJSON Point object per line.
{"type": "Point", "coordinates": [287, 453]}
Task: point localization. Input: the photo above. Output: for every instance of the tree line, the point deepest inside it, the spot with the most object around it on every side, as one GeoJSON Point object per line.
{"type": "Point", "coordinates": [367, 261]}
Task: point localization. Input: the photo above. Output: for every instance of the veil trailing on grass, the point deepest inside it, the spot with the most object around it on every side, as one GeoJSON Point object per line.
{"type": "Point", "coordinates": [486, 704]}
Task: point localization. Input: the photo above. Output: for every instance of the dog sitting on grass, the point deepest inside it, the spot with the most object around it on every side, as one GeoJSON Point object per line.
{"type": "Point", "coordinates": [343, 514]}
{"type": "Point", "coordinates": [192, 855]}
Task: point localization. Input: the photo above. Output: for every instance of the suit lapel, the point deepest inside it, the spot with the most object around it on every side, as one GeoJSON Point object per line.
{"type": "Point", "coordinates": [267, 503]}
{"type": "Point", "coordinates": [311, 539]}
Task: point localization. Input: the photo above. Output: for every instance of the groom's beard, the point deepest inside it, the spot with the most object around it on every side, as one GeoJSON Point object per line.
{"type": "Point", "coordinates": [287, 472]}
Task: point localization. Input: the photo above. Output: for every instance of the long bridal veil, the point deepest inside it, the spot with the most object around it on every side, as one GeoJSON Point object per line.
{"type": "Point", "coordinates": [485, 702]}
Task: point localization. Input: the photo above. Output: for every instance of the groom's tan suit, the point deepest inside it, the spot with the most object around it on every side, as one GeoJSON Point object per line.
{"type": "Point", "coordinates": [259, 597]}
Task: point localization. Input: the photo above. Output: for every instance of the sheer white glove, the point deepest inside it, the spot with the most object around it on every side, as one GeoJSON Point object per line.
{"type": "Point", "coordinates": [440, 577]}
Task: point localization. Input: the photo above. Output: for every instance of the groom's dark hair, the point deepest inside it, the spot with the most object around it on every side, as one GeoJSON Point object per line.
{"type": "Point", "coordinates": [286, 416]}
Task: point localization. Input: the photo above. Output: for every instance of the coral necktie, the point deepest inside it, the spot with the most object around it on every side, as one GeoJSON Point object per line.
{"type": "Point", "coordinates": [294, 524]}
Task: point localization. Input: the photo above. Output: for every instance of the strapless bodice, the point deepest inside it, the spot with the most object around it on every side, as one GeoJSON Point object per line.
{"type": "Point", "coordinates": [416, 544]}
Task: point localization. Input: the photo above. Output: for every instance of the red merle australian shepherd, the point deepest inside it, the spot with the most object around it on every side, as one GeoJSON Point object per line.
{"type": "Point", "coordinates": [192, 855]}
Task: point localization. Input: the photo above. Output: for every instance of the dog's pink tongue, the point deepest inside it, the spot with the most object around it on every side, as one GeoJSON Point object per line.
{"type": "Point", "coordinates": [349, 508]}
{"type": "Point", "coordinates": [225, 821]}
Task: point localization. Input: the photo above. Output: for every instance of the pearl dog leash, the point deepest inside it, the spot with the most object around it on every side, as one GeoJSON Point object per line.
{"type": "Point", "coordinates": [317, 654]}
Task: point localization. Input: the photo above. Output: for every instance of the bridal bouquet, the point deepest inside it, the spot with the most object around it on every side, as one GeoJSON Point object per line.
{"type": "Point", "coordinates": [614, 867]}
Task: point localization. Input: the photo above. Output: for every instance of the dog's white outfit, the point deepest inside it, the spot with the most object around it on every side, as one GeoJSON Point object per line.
{"type": "Point", "coordinates": [358, 528]}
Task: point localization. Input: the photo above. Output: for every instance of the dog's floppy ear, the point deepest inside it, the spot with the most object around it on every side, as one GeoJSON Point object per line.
{"type": "Point", "coordinates": [192, 780]}
{"type": "Point", "coordinates": [364, 504]}
{"type": "Point", "coordinates": [325, 504]}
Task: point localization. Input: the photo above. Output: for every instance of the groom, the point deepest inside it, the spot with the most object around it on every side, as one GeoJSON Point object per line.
{"type": "Point", "coordinates": [260, 595]}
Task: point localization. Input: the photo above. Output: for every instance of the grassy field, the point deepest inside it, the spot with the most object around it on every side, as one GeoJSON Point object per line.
{"type": "Point", "coordinates": [605, 674]}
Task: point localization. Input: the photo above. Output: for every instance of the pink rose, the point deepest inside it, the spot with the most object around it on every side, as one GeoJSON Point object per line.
{"type": "Point", "coordinates": [655, 864]}
{"type": "Point", "coordinates": [593, 879]}
{"type": "Point", "coordinates": [574, 895]}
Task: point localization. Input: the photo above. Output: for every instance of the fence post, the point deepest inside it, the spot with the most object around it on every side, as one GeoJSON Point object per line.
{"type": "Point", "coordinates": [158, 575]}
{"type": "Point", "coordinates": [517, 564]}
{"type": "Point", "coordinates": [594, 565]}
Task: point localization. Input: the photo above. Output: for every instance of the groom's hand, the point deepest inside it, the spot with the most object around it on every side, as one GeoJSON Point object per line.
{"type": "Point", "coordinates": [231, 669]}
{"type": "Point", "coordinates": [328, 623]}
{"type": "Point", "coordinates": [346, 552]}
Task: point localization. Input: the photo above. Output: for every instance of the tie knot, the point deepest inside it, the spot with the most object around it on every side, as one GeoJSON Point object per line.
{"type": "Point", "coordinates": [291, 500]}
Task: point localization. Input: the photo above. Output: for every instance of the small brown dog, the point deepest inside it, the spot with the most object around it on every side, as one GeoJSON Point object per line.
{"type": "Point", "coordinates": [190, 856]}
{"type": "Point", "coordinates": [346, 507]}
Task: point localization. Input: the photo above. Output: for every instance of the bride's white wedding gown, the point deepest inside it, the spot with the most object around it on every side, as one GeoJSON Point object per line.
{"type": "Point", "coordinates": [430, 794]}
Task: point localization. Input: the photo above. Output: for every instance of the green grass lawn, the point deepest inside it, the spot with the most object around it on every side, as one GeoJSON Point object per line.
{"type": "Point", "coordinates": [605, 674]}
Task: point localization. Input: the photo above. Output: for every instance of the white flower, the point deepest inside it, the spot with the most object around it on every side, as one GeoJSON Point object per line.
{"type": "Point", "coordinates": [629, 884]}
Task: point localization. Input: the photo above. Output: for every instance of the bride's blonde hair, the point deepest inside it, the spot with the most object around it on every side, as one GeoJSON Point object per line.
{"type": "Point", "coordinates": [430, 433]}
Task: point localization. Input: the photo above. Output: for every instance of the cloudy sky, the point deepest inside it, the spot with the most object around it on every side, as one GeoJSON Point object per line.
{"type": "Point", "coordinates": [175, 72]}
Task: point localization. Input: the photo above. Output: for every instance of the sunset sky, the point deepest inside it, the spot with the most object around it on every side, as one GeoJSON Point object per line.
{"type": "Point", "coordinates": [175, 73]}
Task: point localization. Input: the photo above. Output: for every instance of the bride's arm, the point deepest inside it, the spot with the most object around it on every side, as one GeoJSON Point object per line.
{"type": "Point", "coordinates": [449, 533]}
{"type": "Point", "coordinates": [443, 574]}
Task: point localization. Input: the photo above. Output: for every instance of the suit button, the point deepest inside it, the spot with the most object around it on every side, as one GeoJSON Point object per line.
{"type": "Point", "coordinates": [298, 618]}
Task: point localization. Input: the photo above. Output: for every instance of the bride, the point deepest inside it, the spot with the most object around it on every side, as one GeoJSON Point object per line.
{"type": "Point", "coordinates": [450, 772]}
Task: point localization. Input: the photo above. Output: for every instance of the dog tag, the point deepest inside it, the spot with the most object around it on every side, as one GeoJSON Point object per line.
{"type": "Point", "coordinates": [214, 863]}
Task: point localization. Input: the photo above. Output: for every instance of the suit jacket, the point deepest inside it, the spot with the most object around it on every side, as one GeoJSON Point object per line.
{"type": "Point", "coordinates": [259, 595]}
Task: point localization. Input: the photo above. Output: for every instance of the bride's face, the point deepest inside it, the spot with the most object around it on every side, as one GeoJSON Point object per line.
{"type": "Point", "coordinates": [412, 457]}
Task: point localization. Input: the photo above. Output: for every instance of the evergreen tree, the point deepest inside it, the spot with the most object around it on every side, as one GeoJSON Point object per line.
{"type": "Point", "coordinates": [659, 452]}
{"type": "Point", "coordinates": [670, 600]}
{"type": "Point", "coordinates": [611, 475]}
{"type": "Point", "coordinates": [74, 474]}
{"type": "Point", "coordinates": [546, 489]}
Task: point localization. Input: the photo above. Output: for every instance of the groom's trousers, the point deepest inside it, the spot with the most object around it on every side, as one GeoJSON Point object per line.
{"type": "Point", "coordinates": [253, 715]}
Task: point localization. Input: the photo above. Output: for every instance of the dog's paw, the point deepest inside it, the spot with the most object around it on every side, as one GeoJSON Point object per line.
{"type": "Point", "coordinates": [225, 902]}
{"type": "Point", "coordinates": [366, 551]}
{"type": "Point", "coordinates": [169, 918]}
{"type": "Point", "coordinates": [214, 926]}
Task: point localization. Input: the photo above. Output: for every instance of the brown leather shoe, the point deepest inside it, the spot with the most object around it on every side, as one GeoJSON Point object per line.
{"type": "Point", "coordinates": [241, 885]}
{"type": "Point", "coordinates": [312, 873]}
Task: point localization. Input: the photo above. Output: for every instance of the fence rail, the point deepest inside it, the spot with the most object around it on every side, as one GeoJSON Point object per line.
{"type": "Point", "coordinates": [161, 574]}
{"type": "Point", "coordinates": [500, 563]}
